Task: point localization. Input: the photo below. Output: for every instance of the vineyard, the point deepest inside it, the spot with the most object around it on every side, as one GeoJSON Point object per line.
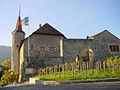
{"type": "Point", "coordinates": [80, 70]}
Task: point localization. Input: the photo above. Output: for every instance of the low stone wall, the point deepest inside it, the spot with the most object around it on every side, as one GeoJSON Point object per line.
{"type": "Point", "coordinates": [50, 83]}
{"type": "Point", "coordinates": [35, 81]}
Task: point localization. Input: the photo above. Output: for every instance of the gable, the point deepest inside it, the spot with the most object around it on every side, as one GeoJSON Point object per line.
{"type": "Point", "coordinates": [106, 35]}
{"type": "Point", "coordinates": [47, 29]}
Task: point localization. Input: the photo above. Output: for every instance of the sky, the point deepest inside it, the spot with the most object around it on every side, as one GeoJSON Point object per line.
{"type": "Point", "coordinates": [74, 18]}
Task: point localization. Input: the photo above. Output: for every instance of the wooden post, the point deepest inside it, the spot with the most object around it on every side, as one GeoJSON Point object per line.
{"type": "Point", "coordinates": [73, 69]}
{"type": "Point", "coordinates": [97, 67]}
{"type": "Point", "coordinates": [100, 65]}
{"type": "Point", "coordinates": [64, 70]}
{"type": "Point", "coordinates": [79, 66]}
{"type": "Point", "coordinates": [113, 66]}
{"type": "Point", "coordinates": [104, 65]}
{"type": "Point", "coordinates": [59, 71]}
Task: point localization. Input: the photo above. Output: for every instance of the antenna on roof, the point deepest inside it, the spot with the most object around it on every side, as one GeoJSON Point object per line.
{"type": "Point", "coordinates": [19, 9]}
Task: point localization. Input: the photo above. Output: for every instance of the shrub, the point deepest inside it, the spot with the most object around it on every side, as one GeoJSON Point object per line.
{"type": "Point", "coordinates": [8, 77]}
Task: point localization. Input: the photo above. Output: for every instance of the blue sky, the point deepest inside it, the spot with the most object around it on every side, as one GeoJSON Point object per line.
{"type": "Point", "coordinates": [74, 18]}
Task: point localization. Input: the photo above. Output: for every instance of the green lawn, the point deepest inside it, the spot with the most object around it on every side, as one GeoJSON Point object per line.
{"type": "Point", "coordinates": [82, 75]}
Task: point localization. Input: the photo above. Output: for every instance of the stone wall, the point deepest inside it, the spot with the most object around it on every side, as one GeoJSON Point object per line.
{"type": "Point", "coordinates": [17, 37]}
{"type": "Point", "coordinates": [74, 47]}
{"type": "Point", "coordinates": [49, 43]}
{"type": "Point", "coordinates": [99, 44]}
{"type": "Point", "coordinates": [66, 50]}
{"type": "Point", "coordinates": [44, 51]}
{"type": "Point", "coordinates": [103, 41]}
{"type": "Point", "coordinates": [39, 62]}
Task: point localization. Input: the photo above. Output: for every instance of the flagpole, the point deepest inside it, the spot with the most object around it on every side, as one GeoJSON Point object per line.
{"type": "Point", "coordinates": [25, 21]}
{"type": "Point", "coordinates": [28, 41]}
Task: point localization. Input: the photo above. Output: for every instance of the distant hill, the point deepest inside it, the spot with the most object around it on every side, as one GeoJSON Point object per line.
{"type": "Point", "coordinates": [5, 53]}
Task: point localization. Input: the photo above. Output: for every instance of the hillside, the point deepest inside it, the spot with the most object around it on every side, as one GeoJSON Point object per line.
{"type": "Point", "coordinates": [5, 52]}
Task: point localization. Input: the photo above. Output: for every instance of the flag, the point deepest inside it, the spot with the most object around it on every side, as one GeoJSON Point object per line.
{"type": "Point", "coordinates": [25, 21]}
{"type": "Point", "coordinates": [19, 22]}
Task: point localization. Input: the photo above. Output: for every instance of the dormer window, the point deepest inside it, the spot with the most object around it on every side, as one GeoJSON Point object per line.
{"type": "Point", "coordinates": [114, 48]}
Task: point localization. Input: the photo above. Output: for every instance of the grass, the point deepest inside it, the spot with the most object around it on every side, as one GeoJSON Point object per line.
{"type": "Point", "coordinates": [82, 75]}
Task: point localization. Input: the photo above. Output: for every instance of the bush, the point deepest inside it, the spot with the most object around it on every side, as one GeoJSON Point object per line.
{"type": "Point", "coordinates": [6, 64]}
{"type": "Point", "coordinates": [8, 77]}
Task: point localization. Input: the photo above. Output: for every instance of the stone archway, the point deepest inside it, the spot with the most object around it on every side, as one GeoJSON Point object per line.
{"type": "Point", "coordinates": [87, 55]}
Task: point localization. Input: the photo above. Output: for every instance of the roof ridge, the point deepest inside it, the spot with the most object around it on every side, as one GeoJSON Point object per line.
{"type": "Point", "coordinates": [47, 29]}
{"type": "Point", "coordinates": [99, 33]}
{"type": "Point", "coordinates": [103, 32]}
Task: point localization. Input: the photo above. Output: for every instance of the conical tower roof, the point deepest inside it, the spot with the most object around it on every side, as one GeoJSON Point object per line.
{"type": "Point", "coordinates": [18, 27]}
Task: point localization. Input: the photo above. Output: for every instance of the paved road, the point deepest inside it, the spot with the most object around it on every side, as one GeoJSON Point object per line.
{"type": "Point", "coordinates": [83, 86]}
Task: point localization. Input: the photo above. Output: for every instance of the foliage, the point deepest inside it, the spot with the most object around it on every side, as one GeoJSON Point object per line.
{"type": "Point", "coordinates": [110, 68]}
{"type": "Point", "coordinates": [113, 62]}
{"type": "Point", "coordinates": [85, 75]}
{"type": "Point", "coordinates": [6, 64]}
{"type": "Point", "coordinates": [8, 77]}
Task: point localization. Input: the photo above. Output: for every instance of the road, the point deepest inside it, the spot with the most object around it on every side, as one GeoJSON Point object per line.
{"type": "Point", "coordinates": [82, 86]}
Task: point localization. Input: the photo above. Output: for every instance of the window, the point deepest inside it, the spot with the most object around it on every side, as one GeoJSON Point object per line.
{"type": "Point", "coordinates": [42, 49]}
{"type": "Point", "coordinates": [47, 49]}
{"type": "Point", "coordinates": [37, 50]}
{"type": "Point", "coordinates": [114, 48]}
{"type": "Point", "coordinates": [110, 47]}
{"type": "Point", "coordinates": [117, 48]}
{"type": "Point", "coordinates": [51, 49]}
{"type": "Point", "coordinates": [32, 47]}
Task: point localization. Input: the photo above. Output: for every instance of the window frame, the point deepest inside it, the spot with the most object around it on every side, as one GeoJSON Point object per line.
{"type": "Point", "coordinates": [114, 48]}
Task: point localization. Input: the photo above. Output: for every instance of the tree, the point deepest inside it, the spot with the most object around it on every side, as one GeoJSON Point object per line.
{"type": "Point", "coordinates": [6, 64]}
{"type": "Point", "coordinates": [8, 76]}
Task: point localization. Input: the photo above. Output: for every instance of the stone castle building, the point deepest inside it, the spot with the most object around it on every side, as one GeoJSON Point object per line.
{"type": "Point", "coordinates": [47, 46]}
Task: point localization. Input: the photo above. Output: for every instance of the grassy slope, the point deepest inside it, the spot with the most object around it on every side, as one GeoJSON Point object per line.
{"type": "Point", "coordinates": [84, 75]}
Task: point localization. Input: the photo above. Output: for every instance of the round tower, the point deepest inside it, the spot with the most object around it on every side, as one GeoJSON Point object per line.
{"type": "Point", "coordinates": [18, 35]}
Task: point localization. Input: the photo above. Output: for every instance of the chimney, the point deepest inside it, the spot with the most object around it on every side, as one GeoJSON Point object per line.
{"type": "Point", "coordinates": [40, 25]}
{"type": "Point", "coordinates": [87, 37]}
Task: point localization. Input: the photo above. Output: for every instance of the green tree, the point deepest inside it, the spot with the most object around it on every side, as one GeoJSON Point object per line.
{"type": "Point", "coordinates": [8, 75]}
{"type": "Point", "coordinates": [6, 64]}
